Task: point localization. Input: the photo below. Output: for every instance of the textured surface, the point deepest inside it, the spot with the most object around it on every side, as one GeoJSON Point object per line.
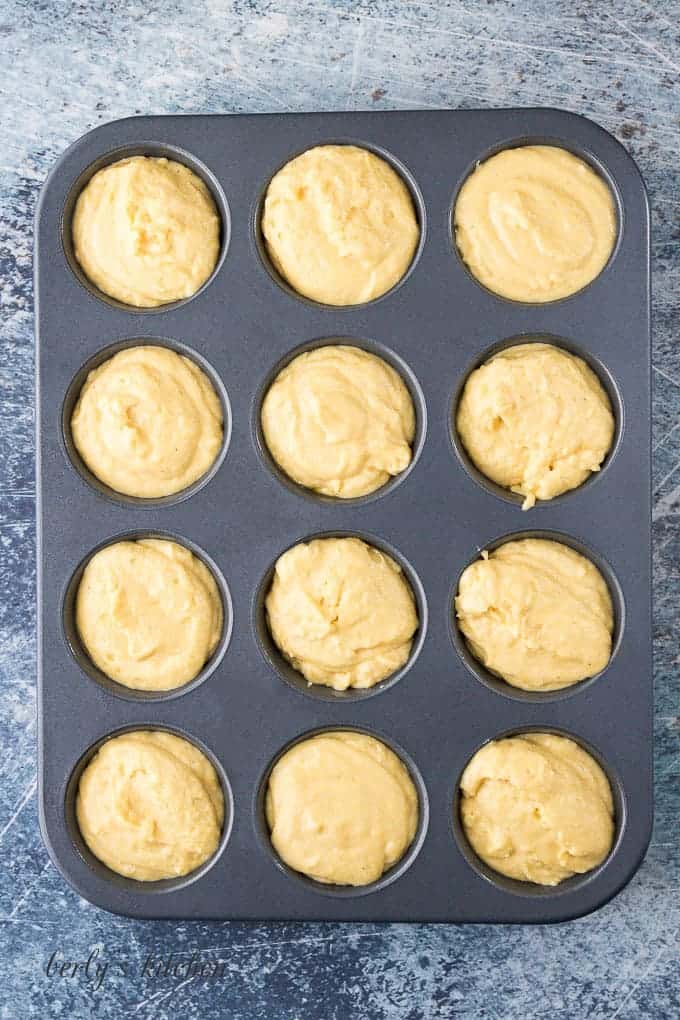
{"type": "Point", "coordinates": [67, 67]}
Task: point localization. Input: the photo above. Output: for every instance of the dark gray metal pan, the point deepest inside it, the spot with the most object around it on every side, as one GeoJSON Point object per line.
{"type": "Point", "coordinates": [434, 327]}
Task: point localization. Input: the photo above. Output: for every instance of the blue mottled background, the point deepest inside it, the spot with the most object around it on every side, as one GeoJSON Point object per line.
{"type": "Point", "coordinates": [66, 66]}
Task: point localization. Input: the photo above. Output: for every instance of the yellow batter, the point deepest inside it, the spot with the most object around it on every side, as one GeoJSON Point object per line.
{"type": "Point", "coordinates": [146, 231]}
{"type": "Point", "coordinates": [148, 422]}
{"type": "Point", "coordinates": [339, 225]}
{"type": "Point", "coordinates": [536, 420]}
{"type": "Point", "coordinates": [341, 808]}
{"type": "Point", "coordinates": [535, 223]}
{"type": "Point", "coordinates": [536, 613]}
{"type": "Point", "coordinates": [537, 807]}
{"type": "Point", "coordinates": [148, 613]}
{"type": "Point", "coordinates": [150, 806]}
{"type": "Point", "coordinates": [341, 612]}
{"type": "Point", "coordinates": [339, 420]}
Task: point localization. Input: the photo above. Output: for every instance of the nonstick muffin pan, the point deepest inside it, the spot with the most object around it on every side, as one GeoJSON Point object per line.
{"type": "Point", "coordinates": [247, 706]}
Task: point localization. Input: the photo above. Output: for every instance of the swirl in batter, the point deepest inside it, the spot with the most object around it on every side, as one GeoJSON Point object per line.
{"type": "Point", "coordinates": [148, 422]}
{"type": "Point", "coordinates": [149, 613]}
{"type": "Point", "coordinates": [535, 223]}
{"type": "Point", "coordinates": [150, 805]}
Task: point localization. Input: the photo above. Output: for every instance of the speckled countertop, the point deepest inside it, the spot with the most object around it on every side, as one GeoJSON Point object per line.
{"type": "Point", "coordinates": [66, 66]}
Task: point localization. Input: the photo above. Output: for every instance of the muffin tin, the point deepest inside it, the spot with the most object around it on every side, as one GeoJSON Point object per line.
{"type": "Point", "coordinates": [247, 706]}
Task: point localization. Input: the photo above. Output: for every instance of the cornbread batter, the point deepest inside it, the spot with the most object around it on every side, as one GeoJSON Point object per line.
{"type": "Point", "coordinates": [537, 807]}
{"type": "Point", "coordinates": [341, 612]}
{"type": "Point", "coordinates": [339, 225]}
{"type": "Point", "coordinates": [536, 613]}
{"type": "Point", "coordinates": [535, 223]}
{"type": "Point", "coordinates": [341, 808]}
{"type": "Point", "coordinates": [536, 420]}
{"type": "Point", "coordinates": [149, 613]}
{"type": "Point", "coordinates": [339, 420]}
{"type": "Point", "coordinates": [150, 805]}
{"type": "Point", "coordinates": [146, 231]}
{"type": "Point", "coordinates": [148, 422]}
